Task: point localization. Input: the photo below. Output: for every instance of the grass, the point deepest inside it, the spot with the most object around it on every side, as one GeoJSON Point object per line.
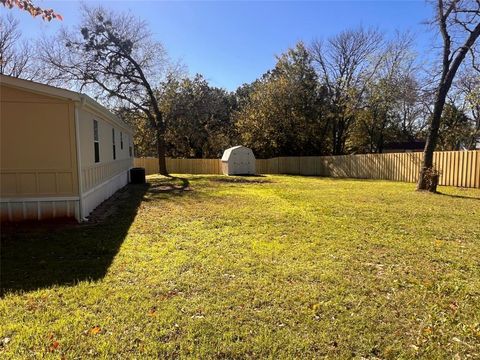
{"type": "Point", "coordinates": [269, 267]}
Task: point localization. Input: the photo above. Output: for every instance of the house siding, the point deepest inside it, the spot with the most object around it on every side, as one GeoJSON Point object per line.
{"type": "Point", "coordinates": [38, 168]}
{"type": "Point", "coordinates": [101, 180]}
{"type": "Point", "coordinates": [45, 170]}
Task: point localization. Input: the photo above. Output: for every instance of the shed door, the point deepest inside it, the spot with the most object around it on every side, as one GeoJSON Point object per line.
{"type": "Point", "coordinates": [239, 162]}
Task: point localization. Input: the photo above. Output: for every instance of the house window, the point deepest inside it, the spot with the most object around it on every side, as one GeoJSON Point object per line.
{"type": "Point", "coordinates": [130, 150]}
{"type": "Point", "coordinates": [113, 144]}
{"type": "Point", "coordinates": [96, 145]}
{"type": "Point", "coordinates": [121, 140]}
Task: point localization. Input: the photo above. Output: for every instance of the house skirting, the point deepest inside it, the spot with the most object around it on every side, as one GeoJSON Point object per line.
{"type": "Point", "coordinates": [39, 208]}
{"type": "Point", "coordinates": [43, 208]}
{"type": "Point", "coordinates": [98, 194]}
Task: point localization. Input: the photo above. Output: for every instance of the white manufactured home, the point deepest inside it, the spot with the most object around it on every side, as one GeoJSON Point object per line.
{"type": "Point", "coordinates": [61, 152]}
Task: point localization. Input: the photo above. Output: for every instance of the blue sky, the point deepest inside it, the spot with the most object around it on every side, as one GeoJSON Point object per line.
{"type": "Point", "coordinates": [231, 43]}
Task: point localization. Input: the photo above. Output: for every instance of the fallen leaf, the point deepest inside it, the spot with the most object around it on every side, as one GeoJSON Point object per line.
{"type": "Point", "coordinates": [95, 330]}
{"type": "Point", "coordinates": [54, 346]}
{"type": "Point", "coordinates": [428, 330]}
{"type": "Point", "coordinates": [453, 306]}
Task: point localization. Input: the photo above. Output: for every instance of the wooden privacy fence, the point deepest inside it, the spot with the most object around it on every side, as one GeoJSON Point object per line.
{"type": "Point", "coordinates": [181, 166]}
{"type": "Point", "coordinates": [457, 168]}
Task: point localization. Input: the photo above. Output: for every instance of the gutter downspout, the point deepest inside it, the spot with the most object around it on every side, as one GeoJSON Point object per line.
{"type": "Point", "coordinates": [79, 159]}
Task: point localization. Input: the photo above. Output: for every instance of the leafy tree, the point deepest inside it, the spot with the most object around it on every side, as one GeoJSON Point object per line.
{"type": "Point", "coordinates": [455, 129]}
{"type": "Point", "coordinates": [283, 111]}
{"type": "Point", "coordinates": [197, 117]}
{"type": "Point", "coordinates": [374, 124]}
{"type": "Point", "coordinates": [243, 93]}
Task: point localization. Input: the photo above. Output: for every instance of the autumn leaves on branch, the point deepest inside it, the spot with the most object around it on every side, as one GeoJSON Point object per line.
{"type": "Point", "coordinates": [27, 5]}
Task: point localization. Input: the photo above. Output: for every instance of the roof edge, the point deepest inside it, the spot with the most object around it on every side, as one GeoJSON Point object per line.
{"type": "Point", "coordinates": [39, 87]}
{"type": "Point", "coordinates": [96, 106]}
{"type": "Point", "coordinates": [62, 93]}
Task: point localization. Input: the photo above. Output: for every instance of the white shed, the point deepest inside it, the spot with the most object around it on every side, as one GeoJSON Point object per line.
{"type": "Point", "coordinates": [238, 160]}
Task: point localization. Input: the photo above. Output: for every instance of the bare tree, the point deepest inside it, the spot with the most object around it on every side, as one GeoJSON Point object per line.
{"type": "Point", "coordinates": [412, 110]}
{"type": "Point", "coordinates": [345, 64]}
{"type": "Point", "coordinates": [16, 58]}
{"type": "Point", "coordinates": [115, 57]}
{"type": "Point", "coordinates": [459, 25]}
{"type": "Point", "coordinates": [393, 91]}
{"type": "Point", "coordinates": [467, 87]}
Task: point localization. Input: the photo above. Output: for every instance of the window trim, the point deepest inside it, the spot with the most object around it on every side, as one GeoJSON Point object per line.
{"type": "Point", "coordinates": [96, 142]}
{"type": "Point", "coordinates": [113, 144]}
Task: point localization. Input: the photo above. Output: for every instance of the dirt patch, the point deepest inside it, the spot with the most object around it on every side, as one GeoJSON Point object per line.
{"type": "Point", "coordinates": [110, 206]}
{"type": "Point", "coordinates": [169, 188]}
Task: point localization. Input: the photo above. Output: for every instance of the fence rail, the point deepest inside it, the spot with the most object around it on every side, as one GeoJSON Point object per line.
{"type": "Point", "coordinates": [457, 168]}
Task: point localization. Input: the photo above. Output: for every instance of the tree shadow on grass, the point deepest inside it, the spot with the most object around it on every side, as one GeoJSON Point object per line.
{"type": "Point", "coordinates": [170, 184]}
{"type": "Point", "coordinates": [42, 254]}
{"type": "Point", "coordinates": [459, 196]}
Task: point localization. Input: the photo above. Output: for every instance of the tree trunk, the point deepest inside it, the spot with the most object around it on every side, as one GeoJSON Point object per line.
{"type": "Point", "coordinates": [427, 165]}
{"type": "Point", "coordinates": [428, 175]}
{"type": "Point", "coordinates": [162, 164]}
{"type": "Point", "coordinates": [337, 133]}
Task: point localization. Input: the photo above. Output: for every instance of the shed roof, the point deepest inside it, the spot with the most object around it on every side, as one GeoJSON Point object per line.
{"type": "Point", "coordinates": [227, 152]}
{"type": "Point", "coordinates": [61, 93]}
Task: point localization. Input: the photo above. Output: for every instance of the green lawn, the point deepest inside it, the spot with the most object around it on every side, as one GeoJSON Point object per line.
{"type": "Point", "coordinates": [267, 267]}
